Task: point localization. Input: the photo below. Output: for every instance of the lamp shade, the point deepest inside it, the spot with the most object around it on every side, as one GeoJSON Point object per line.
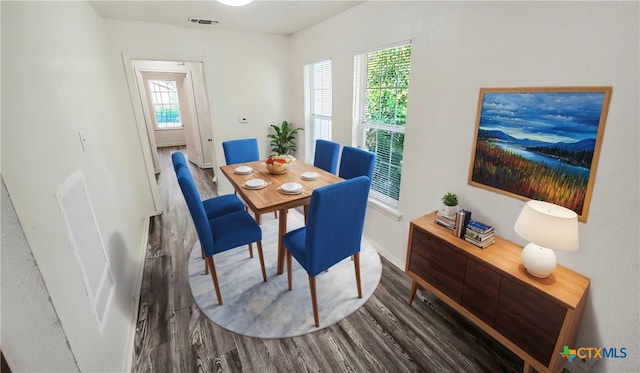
{"type": "Point", "coordinates": [548, 225]}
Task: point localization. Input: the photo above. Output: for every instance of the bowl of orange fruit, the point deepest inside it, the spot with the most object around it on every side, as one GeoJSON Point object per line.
{"type": "Point", "coordinates": [278, 164]}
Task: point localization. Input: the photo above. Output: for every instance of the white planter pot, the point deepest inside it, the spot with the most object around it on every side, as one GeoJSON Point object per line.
{"type": "Point", "coordinates": [450, 210]}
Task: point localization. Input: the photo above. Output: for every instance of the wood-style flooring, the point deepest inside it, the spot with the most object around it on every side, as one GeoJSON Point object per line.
{"type": "Point", "coordinates": [385, 335]}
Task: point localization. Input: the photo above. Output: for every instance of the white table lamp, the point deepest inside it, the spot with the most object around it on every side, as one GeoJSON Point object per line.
{"type": "Point", "coordinates": [547, 227]}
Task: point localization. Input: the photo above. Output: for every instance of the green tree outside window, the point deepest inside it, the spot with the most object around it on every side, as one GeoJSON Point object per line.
{"type": "Point", "coordinates": [384, 117]}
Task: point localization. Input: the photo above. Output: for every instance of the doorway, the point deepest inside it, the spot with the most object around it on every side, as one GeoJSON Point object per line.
{"type": "Point", "coordinates": [195, 130]}
{"type": "Point", "coordinates": [169, 116]}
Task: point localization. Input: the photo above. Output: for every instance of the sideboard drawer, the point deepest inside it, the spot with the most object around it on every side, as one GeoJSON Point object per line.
{"type": "Point", "coordinates": [481, 289]}
{"type": "Point", "coordinates": [532, 321]}
{"type": "Point", "coordinates": [438, 263]}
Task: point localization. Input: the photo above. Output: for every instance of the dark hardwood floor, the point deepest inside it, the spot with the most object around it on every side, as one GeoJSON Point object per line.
{"type": "Point", "coordinates": [385, 335]}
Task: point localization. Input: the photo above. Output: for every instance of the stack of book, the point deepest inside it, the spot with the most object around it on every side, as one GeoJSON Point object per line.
{"type": "Point", "coordinates": [479, 234]}
{"type": "Point", "coordinates": [446, 221]}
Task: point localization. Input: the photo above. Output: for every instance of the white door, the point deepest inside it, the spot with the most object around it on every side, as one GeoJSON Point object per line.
{"type": "Point", "coordinates": [191, 131]}
{"type": "Point", "coordinates": [202, 113]}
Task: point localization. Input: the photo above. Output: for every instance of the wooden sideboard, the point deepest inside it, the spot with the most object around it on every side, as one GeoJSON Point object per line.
{"type": "Point", "coordinates": [535, 318]}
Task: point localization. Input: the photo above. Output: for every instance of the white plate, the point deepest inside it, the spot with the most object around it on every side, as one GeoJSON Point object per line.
{"type": "Point", "coordinates": [254, 183]}
{"type": "Point", "coordinates": [291, 188]}
{"type": "Point", "coordinates": [310, 175]}
{"type": "Point", "coordinates": [285, 192]}
{"type": "Point", "coordinates": [243, 170]}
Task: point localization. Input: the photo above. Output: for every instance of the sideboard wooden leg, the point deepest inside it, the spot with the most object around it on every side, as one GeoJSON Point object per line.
{"type": "Point", "coordinates": [414, 288]}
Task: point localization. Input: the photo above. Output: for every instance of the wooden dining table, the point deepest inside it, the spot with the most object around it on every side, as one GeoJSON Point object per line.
{"type": "Point", "coordinates": [269, 198]}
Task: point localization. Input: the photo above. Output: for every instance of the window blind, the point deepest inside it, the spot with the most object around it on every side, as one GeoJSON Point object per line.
{"type": "Point", "coordinates": [381, 91]}
{"type": "Point", "coordinates": [318, 102]}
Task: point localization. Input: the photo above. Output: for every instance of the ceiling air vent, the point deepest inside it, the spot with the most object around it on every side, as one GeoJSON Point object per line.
{"type": "Point", "coordinates": [202, 21]}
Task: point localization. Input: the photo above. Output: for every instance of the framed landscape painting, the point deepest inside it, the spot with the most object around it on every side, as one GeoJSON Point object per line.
{"type": "Point", "coordinates": [540, 143]}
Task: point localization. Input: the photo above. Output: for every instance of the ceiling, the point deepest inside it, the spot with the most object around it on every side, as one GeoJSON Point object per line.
{"type": "Point", "coordinates": [268, 16]}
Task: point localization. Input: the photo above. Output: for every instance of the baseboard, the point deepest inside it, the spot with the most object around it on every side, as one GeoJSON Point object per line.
{"type": "Point", "coordinates": [130, 345]}
{"type": "Point", "coordinates": [388, 255]}
{"type": "Point", "coordinates": [171, 144]}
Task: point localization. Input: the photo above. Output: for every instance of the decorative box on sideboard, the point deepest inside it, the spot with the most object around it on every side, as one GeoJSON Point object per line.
{"type": "Point", "coordinates": [535, 318]}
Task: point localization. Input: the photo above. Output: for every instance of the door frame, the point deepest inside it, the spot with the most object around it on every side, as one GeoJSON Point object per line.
{"type": "Point", "coordinates": [146, 140]}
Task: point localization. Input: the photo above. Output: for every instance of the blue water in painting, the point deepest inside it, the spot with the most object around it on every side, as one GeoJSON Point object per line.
{"type": "Point", "coordinates": [541, 158]}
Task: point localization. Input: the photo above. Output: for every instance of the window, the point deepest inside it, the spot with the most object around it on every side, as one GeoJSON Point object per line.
{"type": "Point", "coordinates": [164, 98]}
{"type": "Point", "coordinates": [381, 90]}
{"type": "Point", "coordinates": [317, 77]}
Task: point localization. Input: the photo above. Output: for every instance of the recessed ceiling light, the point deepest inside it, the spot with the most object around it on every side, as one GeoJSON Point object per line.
{"type": "Point", "coordinates": [235, 2]}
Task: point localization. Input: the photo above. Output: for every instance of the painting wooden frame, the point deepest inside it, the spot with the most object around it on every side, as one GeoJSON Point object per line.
{"type": "Point", "coordinates": [540, 143]}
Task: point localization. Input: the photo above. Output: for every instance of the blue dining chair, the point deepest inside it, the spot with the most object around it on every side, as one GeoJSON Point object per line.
{"type": "Point", "coordinates": [241, 151]}
{"type": "Point", "coordinates": [215, 206]}
{"type": "Point", "coordinates": [221, 233]}
{"type": "Point", "coordinates": [356, 162]}
{"type": "Point", "coordinates": [326, 155]}
{"type": "Point", "coordinates": [332, 233]}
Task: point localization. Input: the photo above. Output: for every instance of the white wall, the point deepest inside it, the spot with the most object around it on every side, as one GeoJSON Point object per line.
{"type": "Point", "coordinates": [459, 47]}
{"type": "Point", "coordinates": [246, 75]}
{"type": "Point", "coordinates": [58, 78]}
{"type": "Point", "coordinates": [20, 276]}
{"type": "Point", "coordinates": [169, 137]}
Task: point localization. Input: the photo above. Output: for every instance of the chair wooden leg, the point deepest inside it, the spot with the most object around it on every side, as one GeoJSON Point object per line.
{"type": "Point", "coordinates": [275, 214]}
{"type": "Point", "coordinates": [289, 269]}
{"type": "Point", "coordinates": [250, 250]}
{"type": "Point", "coordinates": [356, 264]}
{"type": "Point", "coordinates": [264, 273]}
{"type": "Point", "coordinates": [314, 300]}
{"type": "Point", "coordinates": [258, 219]}
{"type": "Point", "coordinates": [206, 268]}
{"type": "Point", "coordinates": [214, 277]}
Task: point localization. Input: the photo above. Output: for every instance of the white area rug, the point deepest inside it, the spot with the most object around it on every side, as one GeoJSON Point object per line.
{"type": "Point", "coordinates": [268, 310]}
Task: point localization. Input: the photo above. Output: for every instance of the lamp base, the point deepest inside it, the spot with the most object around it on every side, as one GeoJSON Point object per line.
{"type": "Point", "coordinates": [539, 261]}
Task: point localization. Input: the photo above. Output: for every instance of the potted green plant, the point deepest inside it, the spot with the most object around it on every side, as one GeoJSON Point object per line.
{"type": "Point", "coordinates": [283, 141]}
{"type": "Point", "coordinates": [450, 201]}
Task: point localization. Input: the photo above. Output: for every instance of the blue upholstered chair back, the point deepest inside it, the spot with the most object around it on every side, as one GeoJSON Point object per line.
{"type": "Point", "coordinates": [178, 160]}
{"type": "Point", "coordinates": [356, 162]}
{"type": "Point", "coordinates": [241, 150]}
{"type": "Point", "coordinates": [326, 155]}
{"type": "Point", "coordinates": [198, 214]}
{"type": "Point", "coordinates": [335, 223]}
